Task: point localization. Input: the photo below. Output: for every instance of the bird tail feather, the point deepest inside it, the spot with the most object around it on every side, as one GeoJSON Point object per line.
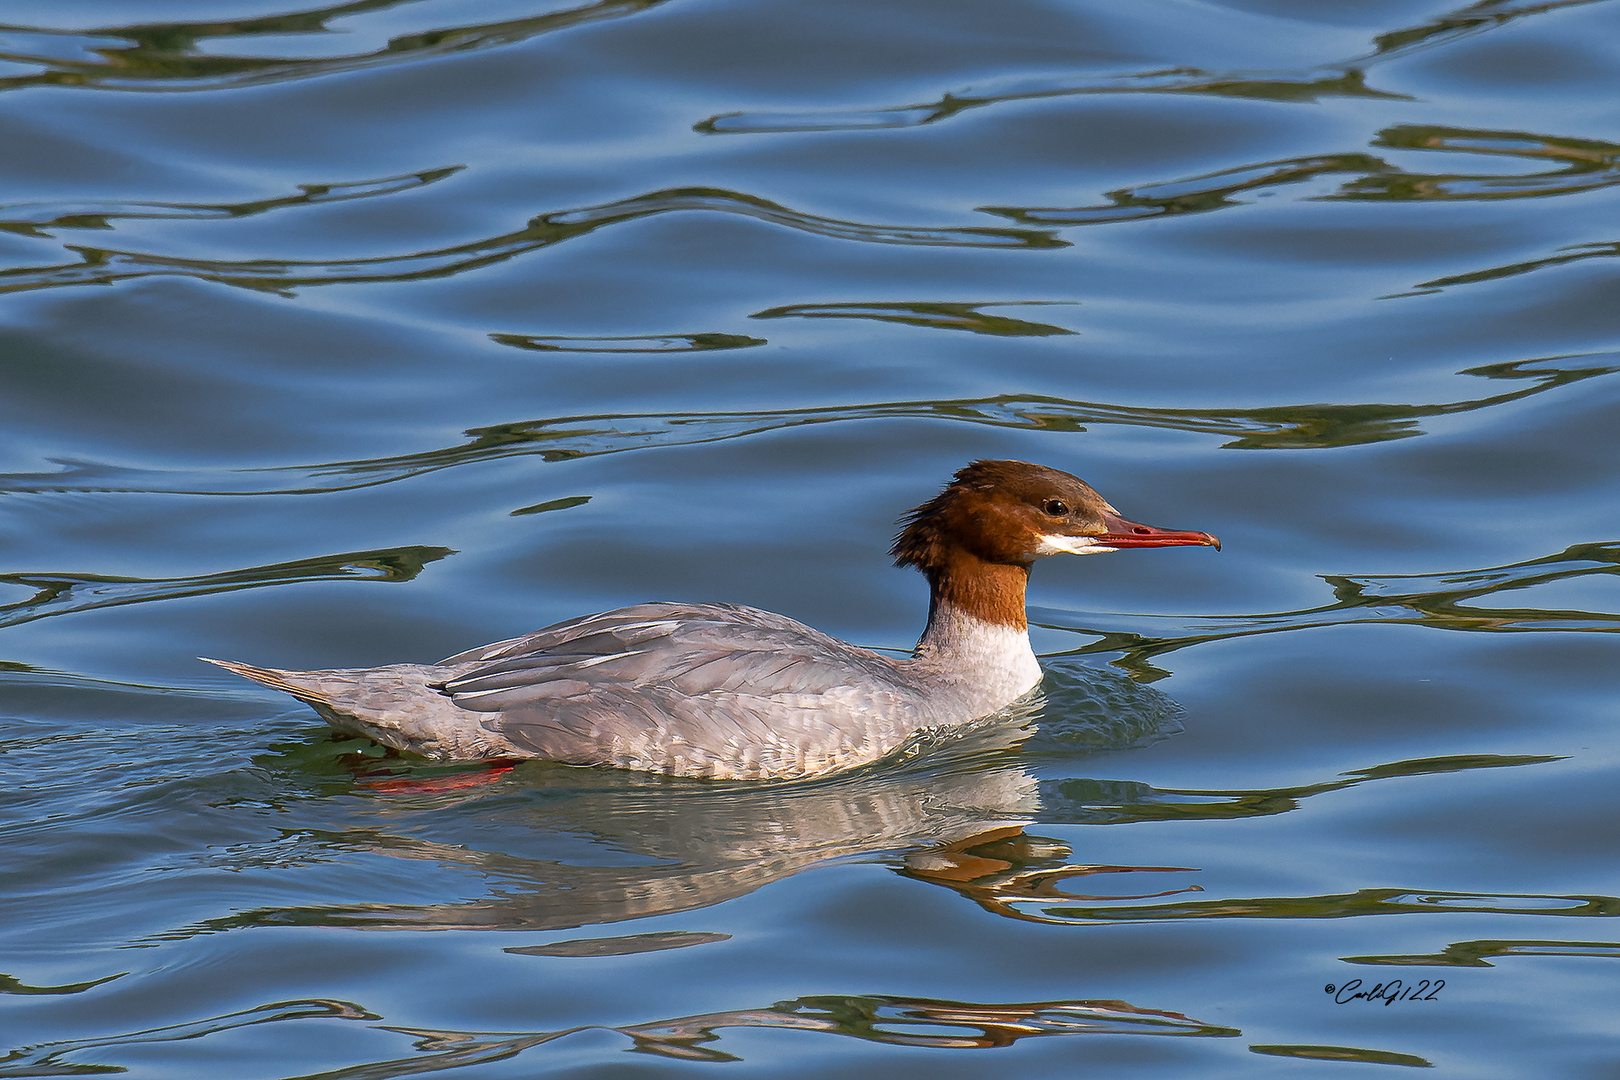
{"type": "Point", "coordinates": [286, 681]}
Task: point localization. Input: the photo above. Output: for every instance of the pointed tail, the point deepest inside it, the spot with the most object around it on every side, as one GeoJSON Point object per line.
{"type": "Point", "coordinates": [285, 681]}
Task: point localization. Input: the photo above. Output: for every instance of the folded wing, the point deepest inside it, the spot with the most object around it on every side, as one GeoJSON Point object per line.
{"type": "Point", "coordinates": [696, 689]}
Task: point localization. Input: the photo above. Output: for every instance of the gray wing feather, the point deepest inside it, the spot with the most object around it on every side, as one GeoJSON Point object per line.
{"type": "Point", "coordinates": [696, 688]}
{"type": "Point", "coordinates": [693, 649]}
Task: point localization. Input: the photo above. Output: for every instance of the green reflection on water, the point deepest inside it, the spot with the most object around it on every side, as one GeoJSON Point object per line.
{"type": "Point", "coordinates": [1347, 906]}
{"type": "Point", "coordinates": [934, 315]}
{"type": "Point", "coordinates": [11, 985]}
{"type": "Point", "coordinates": [1116, 802]}
{"type": "Point", "coordinates": [1572, 253]}
{"type": "Point", "coordinates": [1481, 953]}
{"type": "Point", "coordinates": [1343, 1053]}
{"type": "Point", "coordinates": [567, 503]}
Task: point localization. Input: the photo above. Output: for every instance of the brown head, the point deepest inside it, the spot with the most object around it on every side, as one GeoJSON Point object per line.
{"type": "Point", "coordinates": [977, 539]}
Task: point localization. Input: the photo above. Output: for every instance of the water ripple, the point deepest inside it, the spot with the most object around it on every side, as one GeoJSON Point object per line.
{"type": "Point", "coordinates": [171, 56]}
{"type": "Point", "coordinates": [957, 823]}
{"type": "Point", "coordinates": [45, 1059]}
{"type": "Point", "coordinates": [1345, 78]}
{"type": "Point", "coordinates": [105, 265]}
{"type": "Point", "coordinates": [1275, 427]}
{"type": "Point", "coordinates": [871, 1018]}
{"type": "Point", "coordinates": [1446, 601]}
{"type": "Point", "coordinates": [1583, 165]}
{"type": "Point", "coordinates": [1083, 801]}
{"type": "Point", "coordinates": [36, 219]}
{"type": "Point", "coordinates": [59, 594]}
{"type": "Point", "coordinates": [1308, 87]}
{"type": "Point", "coordinates": [1020, 876]}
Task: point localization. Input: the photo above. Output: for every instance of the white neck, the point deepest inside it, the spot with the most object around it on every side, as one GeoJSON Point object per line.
{"type": "Point", "coordinates": [991, 661]}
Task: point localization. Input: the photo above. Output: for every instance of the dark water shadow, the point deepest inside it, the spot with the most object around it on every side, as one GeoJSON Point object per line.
{"type": "Point", "coordinates": [870, 1018]}
{"type": "Point", "coordinates": [11, 985]}
{"type": "Point", "coordinates": [1446, 601]}
{"type": "Point", "coordinates": [1346, 78]}
{"type": "Point", "coordinates": [1277, 427]}
{"type": "Point", "coordinates": [934, 315]}
{"type": "Point", "coordinates": [173, 56]}
{"type": "Point", "coordinates": [59, 594]}
{"type": "Point", "coordinates": [649, 343]}
{"type": "Point", "coordinates": [622, 945]}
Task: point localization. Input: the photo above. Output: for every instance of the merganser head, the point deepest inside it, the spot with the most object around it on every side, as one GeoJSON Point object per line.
{"type": "Point", "coordinates": [1011, 513]}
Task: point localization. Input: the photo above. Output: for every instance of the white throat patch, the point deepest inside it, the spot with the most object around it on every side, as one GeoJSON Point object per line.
{"type": "Point", "coordinates": [1072, 545]}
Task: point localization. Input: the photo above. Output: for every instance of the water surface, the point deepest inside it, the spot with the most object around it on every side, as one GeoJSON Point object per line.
{"type": "Point", "coordinates": [349, 335]}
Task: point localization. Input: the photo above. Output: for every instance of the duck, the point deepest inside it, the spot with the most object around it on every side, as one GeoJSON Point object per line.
{"type": "Point", "coordinates": [727, 692]}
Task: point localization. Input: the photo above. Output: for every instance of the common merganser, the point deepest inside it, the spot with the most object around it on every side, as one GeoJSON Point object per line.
{"type": "Point", "coordinates": [728, 692]}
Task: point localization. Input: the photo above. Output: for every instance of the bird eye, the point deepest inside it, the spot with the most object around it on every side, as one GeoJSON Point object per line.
{"type": "Point", "coordinates": [1056, 507]}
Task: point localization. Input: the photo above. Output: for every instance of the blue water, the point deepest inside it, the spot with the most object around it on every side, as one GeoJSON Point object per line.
{"type": "Point", "coordinates": [371, 333]}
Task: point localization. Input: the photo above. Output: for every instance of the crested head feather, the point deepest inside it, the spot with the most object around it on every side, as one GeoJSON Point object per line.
{"type": "Point", "coordinates": [923, 540]}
